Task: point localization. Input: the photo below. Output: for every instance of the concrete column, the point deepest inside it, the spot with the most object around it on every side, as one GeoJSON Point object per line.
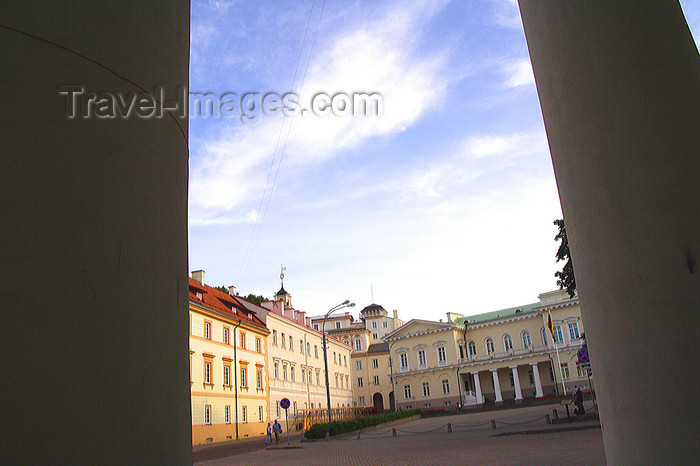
{"type": "Point", "coordinates": [538, 382]}
{"type": "Point", "coordinates": [94, 237]}
{"type": "Point", "coordinates": [477, 385]}
{"type": "Point", "coordinates": [516, 382]}
{"type": "Point", "coordinates": [496, 385]}
{"type": "Point", "coordinates": [619, 88]}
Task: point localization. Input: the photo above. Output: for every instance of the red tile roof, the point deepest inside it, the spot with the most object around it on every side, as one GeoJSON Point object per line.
{"type": "Point", "coordinates": [222, 303]}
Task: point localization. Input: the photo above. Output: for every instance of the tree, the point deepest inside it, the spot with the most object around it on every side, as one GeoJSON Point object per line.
{"type": "Point", "coordinates": [565, 277]}
{"type": "Point", "coordinates": [256, 299]}
{"type": "Point", "coordinates": [223, 289]}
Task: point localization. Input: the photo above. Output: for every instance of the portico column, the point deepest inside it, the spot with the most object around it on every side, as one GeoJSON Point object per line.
{"type": "Point", "coordinates": [516, 382]}
{"type": "Point", "coordinates": [496, 385]}
{"type": "Point", "coordinates": [538, 382]}
{"type": "Point", "coordinates": [477, 385]}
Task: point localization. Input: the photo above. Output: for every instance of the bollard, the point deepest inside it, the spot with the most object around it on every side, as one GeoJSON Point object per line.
{"type": "Point", "coordinates": [449, 427]}
{"type": "Point", "coordinates": [327, 435]}
{"type": "Point", "coordinates": [358, 435]}
{"type": "Point", "coordinates": [547, 420]}
{"type": "Point", "coordinates": [555, 413]}
{"type": "Point", "coordinates": [493, 424]}
{"type": "Point", "coordinates": [393, 431]}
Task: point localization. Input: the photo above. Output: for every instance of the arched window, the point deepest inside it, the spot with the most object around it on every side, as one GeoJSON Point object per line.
{"type": "Point", "coordinates": [527, 340]}
{"type": "Point", "coordinates": [489, 346]}
{"type": "Point", "coordinates": [507, 342]}
{"type": "Point", "coordinates": [544, 337]}
{"type": "Point", "coordinates": [472, 348]}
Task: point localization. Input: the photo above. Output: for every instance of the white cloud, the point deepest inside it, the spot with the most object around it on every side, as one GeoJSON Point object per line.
{"type": "Point", "coordinates": [519, 73]}
{"type": "Point", "coordinates": [506, 146]}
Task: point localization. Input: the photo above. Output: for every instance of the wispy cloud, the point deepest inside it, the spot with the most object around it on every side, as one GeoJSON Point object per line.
{"type": "Point", "coordinates": [519, 73]}
{"type": "Point", "coordinates": [505, 146]}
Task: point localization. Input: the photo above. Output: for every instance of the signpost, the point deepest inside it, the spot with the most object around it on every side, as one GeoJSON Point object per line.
{"type": "Point", "coordinates": [585, 364]}
{"type": "Point", "coordinates": [285, 405]}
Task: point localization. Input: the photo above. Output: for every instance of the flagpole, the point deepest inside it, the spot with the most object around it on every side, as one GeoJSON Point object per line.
{"type": "Point", "coordinates": [561, 374]}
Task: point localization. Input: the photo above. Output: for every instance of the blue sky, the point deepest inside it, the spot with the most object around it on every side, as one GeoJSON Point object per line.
{"type": "Point", "coordinates": [444, 203]}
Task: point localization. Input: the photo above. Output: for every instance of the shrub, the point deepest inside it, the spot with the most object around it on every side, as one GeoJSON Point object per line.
{"type": "Point", "coordinates": [340, 427]}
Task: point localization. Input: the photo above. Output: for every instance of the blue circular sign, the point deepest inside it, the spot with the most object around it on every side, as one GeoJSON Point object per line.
{"type": "Point", "coordinates": [285, 403]}
{"type": "Point", "coordinates": [583, 355]}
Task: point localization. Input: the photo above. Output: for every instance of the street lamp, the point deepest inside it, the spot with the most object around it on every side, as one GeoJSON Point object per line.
{"type": "Point", "coordinates": [391, 368]}
{"type": "Point", "coordinates": [345, 303]}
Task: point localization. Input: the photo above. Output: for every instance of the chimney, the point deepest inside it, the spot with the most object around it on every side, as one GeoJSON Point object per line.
{"type": "Point", "coordinates": [300, 317]}
{"type": "Point", "coordinates": [308, 322]}
{"type": "Point", "coordinates": [199, 276]}
{"type": "Point", "coordinates": [232, 290]}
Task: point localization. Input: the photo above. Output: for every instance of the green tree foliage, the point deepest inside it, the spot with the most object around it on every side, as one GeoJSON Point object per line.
{"type": "Point", "coordinates": [256, 299]}
{"type": "Point", "coordinates": [318, 431]}
{"type": "Point", "coordinates": [565, 277]}
{"type": "Point", "coordinates": [223, 289]}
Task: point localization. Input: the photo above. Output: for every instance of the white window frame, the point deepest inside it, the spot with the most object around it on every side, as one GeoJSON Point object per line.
{"type": "Point", "coordinates": [227, 414]}
{"type": "Point", "coordinates": [565, 371]}
{"type": "Point", "coordinates": [260, 413]}
{"type": "Point", "coordinates": [207, 372]}
{"type": "Point", "coordinates": [558, 334]}
{"type": "Point", "coordinates": [358, 365]}
{"type": "Point", "coordinates": [421, 358]}
{"type": "Point", "coordinates": [277, 370]}
{"type": "Point", "coordinates": [426, 389]}
{"type": "Point", "coordinates": [445, 387]}
{"type": "Point", "coordinates": [507, 342]}
{"type": "Point", "coordinates": [358, 344]}
{"type": "Point", "coordinates": [226, 335]}
{"type": "Point", "coordinates": [337, 324]}
{"type": "Point", "coordinates": [274, 337]}
{"type": "Point", "coordinates": [403, 362]}
{"type": "Point", "coordinates": [375, 363]}
{"type": "Point", "coordinates": [244, 414]}
{"type": "Point", "coordinates": [407, 392]}
{"type": "Point", "coordinates": [359, 382]}
{"type": "Point", "coordinates": [490, 348]}
{"type": "Point", "coordinates": [526, 338]}
{"type": "Point", "coordinates": [244, 380]}
{"type": "Point", "coordinates": [207, 415]}
{"type": "Point", "coordinates": [207, 330]}
{"type": "Point", "coordinates": [227, 376]}
{"type": "Point", "coordinates": [471, 348]}
{"type": "Point", "coordinates": [441, 355]}
{"type": "Point", "coordinates": [574, 333]}
{"type": "Point", "coordinates": [376, 380]}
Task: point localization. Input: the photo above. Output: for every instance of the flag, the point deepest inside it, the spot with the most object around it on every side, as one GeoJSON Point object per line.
{"type": "Point", "coordinates": [549, 323]}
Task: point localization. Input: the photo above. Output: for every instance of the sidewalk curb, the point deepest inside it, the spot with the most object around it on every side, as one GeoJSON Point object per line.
{"type": "Point", "coordinates": [550, 430]}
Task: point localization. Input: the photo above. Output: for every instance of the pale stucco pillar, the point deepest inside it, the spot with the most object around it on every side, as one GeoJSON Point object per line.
{"type": "Point", "coordinates": [93, 249]}
{"type": "Point", "coordinates": [619, 87]}
{"type": "Point", "coordinates": [477, 385]}
{"type": "Point", "coordinates": [538, 382]}
{"type": "Point", "coordinates": [496, 385]}
{"type": "Point", "coordinates": [516, 382]}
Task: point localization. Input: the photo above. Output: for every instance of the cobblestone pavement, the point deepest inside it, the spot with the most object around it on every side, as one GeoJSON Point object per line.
{"type": "Point", "coordinates": [472, 440]}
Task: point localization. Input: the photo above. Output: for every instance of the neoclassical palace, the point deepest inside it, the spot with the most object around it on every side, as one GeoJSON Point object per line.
{"type": "Point", "coordinates": [488, 358]}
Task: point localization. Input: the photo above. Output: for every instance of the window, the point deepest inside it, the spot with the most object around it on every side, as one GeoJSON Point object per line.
{"type": "Point", "coordinates": [512, 380]}
{"type": "Point", "coordinates": [403, 360]}
{"type": "Point", "coordinates": [294, 408]}
{"type": "Point", "coordinates": [303, 376]}
{"type": "Point", "coordinates": [284, 372]}
{"type": "Point", "coordinates": [375, 363]}
{"type": "Point", "coordinates": [278, 409]}
{"type": "Point", "coordinates": [207, 372]}
{"type": "Point", "coordinates": [345, 361]}
{"type": "Point", "coordinates": [461, 351]}
{"type": "Point", "coordinates": [258, 380]}
{"type": "Point", "coordinates": [336, 380]}
{"type": "Point", "coordinates": [301, 346]}
{"type": "Point", "coordinates": [316, 327]}
{"type": "Point", "coordinates": [445, 387]}
{"type": "Point", "coordinates": [358, 365]}
{"type": "Point", "coordinates": [565, 370]}
{"type": "Point", "coordinates": [442, 355]}
{"type": "Point", "coordinates": [244, 416]}
{"type": "Point", "coordinates": [260, 413]}
{"type": "Point", "coordinates": [527, 340]}
{"type": "Point", "coordinates": [407, 392]}
{"type": "Point", "coordinates": [257, 345]}
{"type": "Point", "coordinates": [376, 380]}
{"type": "Point", "coordinates": [277, 371]}
{"type": "Point", "coordinates": [471, 346]}
{"type": "Point", "coordinates": [385, 324]}
{"type": "Point", "coordinates": [284, 341]}
{"type": "Point", "coordinates": [318, 378]}
{"type": "Point", "coordinates": [374, 325]}
{"type": "Point", "coordinates": [507, 342]}
{"type": "Point", "coordinates": [227, 376]}
{"type": "Point", "coordinates": [358, 344]}
{"type": "Point", "coordinates": [573, 331]}
{"type": "Point", "coordinates": [544, 337]}
{"type": "Point", "coordinates": [489, 346]}
{"type": "Point", "coordinates": [310, 380]}
{"type": "Point", "coordinates": [207, 330]}
{"type": "Point", "coordinates": [558, 336]}
{"type": "Point", "coordinates": [274, 337]}
{"type": "Point", "coordinates": [244, 382]}
{"type": "Point", "coordinates": [316, 351]}
{"type": "Point", "coordinates": [426, 388]}
{"type": "Point", "coordinates": [335, 359]}
{"type": "Point", "coordinates": [291, 373]}
{"type": "Point", "coordinates": [308, 348]}
{"type": "Point", "coordinates": [242, 340]}
{"type": "Point", "coordinates": [551, 373]}
{"type": "Point", "coordinates": [207, 414]}
{"type": "Point", "coordinates": [374, 335]}
{"type": "Point", "coordinates": [291, 343]}
{"type": "Point", "coordinates": [581, 372]}
{"type": "Point", "coordinates": [337, 325]}
{"type": "Point", "coordinates": [359, 381]}
{"type": "Point", "coordinates": [362, 401]}
{"type": "Point", "coordinates": [226, 335]}
{"type": "Point", "coordinates": [421, 358]}
{"type": "Point", "coordinates": [227, 414]}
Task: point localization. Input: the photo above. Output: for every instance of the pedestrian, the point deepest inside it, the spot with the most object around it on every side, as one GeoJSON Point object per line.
{"type": "Point", "coordinates": [268, 439]}
{"type": "Point", "coordinates": [579, 401]}
{"type": "Point", "coordinates": [277, 429]}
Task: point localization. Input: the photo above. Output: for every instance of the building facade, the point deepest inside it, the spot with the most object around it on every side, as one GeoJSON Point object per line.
{"type": "Point", "coordinates": [295, 360]}
{"type": "Point", "coordinates": [228, 366]}
{"type": "Point", "coordinates": [488, 358]}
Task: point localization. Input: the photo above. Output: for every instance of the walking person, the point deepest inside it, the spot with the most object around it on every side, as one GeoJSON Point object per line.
{"type": "Point", "coordinates": [268, 440]}
{"type": "Point", "coordinates": [277, 429]}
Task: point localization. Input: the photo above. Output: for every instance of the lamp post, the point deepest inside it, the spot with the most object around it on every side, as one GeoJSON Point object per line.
{"type": "Point", "coordinates": [342, 305]}
{"type": "Point", "coordinates": [391, 368]}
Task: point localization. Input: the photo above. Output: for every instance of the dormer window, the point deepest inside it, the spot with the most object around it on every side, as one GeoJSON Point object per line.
{"type": "Point", "coordinates": [199, 295]}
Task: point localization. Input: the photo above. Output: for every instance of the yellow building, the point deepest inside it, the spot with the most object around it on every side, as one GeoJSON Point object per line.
{"type": "Point", "coordinates": [228, 366]}
{"type": "Point", "coordinates": [488, 358]}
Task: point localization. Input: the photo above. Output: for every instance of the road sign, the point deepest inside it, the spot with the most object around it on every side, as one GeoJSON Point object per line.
{"type": "Point", "coordinates": [583, 355]}
{"type": "Point", "coordinates": [285, 403]}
